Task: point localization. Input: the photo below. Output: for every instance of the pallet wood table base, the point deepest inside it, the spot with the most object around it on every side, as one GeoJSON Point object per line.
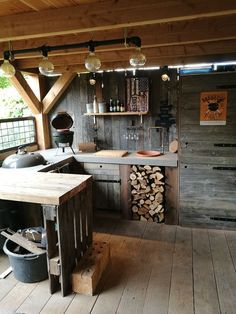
{"type": "Point", "coordinates": [66, 200]}
{"type": "Point", "coordinates": [89, 270]}
{"type": "Point", "coordinates": [69, 231]}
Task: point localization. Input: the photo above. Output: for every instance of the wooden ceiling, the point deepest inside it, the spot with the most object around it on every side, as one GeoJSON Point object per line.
{"type": "Point", "coordinates": [172, 32]}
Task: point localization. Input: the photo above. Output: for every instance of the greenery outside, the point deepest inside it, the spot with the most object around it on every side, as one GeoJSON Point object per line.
{"type": "Point", "coordinates": [11, 103]}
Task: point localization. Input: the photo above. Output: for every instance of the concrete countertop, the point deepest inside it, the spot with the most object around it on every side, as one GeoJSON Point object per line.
{"type": "Point", "coordinates": [54, 156]}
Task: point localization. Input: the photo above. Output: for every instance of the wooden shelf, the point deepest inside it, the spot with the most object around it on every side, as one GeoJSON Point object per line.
{"type": "Point", "coordinates": [125, 113]}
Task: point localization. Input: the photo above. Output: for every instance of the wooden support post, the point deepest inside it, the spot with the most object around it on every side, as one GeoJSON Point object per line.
{"type": "Point", "coordinates": [125, 192]}
{"type": "Point", "coordinates": [43, 133]}
{"type": "Point", "coordinates": [49, 212]}
{"type": "Point", "coordinates": [57, 90]}
{"type": "Point", "coordinates": [26, 92]}
{"type": "Point", "coordinates": [171, 195]}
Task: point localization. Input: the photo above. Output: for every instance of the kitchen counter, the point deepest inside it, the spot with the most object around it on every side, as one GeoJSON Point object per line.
{"type": "Point", "coordinates": [41, 188]}
{"type": "Point", "coordinates": [55, 156]}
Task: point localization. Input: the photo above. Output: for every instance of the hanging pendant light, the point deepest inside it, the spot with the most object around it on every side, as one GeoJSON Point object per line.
{"type": "Point", "coordinates": [7, 69]}
{"type": "Point", "coordinates": [137, 58]}
{"type": "Point", "coordinates": [46, 67]}
{"type": "Point", "coordinates": [92, 62]}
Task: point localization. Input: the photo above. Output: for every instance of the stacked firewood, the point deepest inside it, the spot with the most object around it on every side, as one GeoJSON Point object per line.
{"type": "Point", "coordinates": [147, 190]}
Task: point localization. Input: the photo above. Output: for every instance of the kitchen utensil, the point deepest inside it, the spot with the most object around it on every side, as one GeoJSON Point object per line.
{"type": "Point", "coordinates": [173, 147]}
{"type": "Point", "coordinates": [111, 153]}
{"type": "Point", "coordinates": [148, 153]}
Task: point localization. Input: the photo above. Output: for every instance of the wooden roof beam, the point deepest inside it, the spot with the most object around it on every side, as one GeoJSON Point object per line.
{"type": "Point", "coordinates": [215, 28]}
{"type": "Point", "coordinates": [26, 92]}
{"type": "Point", "coordinates": [99, 17]}
{"type": "Point", "coordinates": [57, 90]}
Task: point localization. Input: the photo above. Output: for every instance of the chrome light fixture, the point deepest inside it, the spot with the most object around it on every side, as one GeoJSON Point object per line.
{"type": "Point", "coordinates": [137, 58]}
{"type": "Point", "coordinates": [92, 62]}
{"type": "Point", "coordinates": [45, 66]}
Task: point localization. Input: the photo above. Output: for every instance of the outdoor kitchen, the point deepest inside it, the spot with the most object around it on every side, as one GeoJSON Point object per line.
{"type": "Point", "coordinates": [117, 157]}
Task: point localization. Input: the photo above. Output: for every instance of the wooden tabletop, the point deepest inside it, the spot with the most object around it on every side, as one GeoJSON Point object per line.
{"type": "Point", "coordinates": [40, 187]}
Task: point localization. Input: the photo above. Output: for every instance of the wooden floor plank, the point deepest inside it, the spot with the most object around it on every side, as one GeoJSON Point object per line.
{"type": "Point", "coordinates": [57, 303]}
{"type": "Point", "coordinates": [122, 258]}
{"type": "Point", "coordinates": [130, 228]}
{"type": "Point", "coordinates": [8, 283]}
{"type": "Point", "coordinates": [4, 262]}
{"type": "Point", "coordinates": [37, 299]}
{"type": "Point", "coordinates": [157, 295]}
{"type": "Point", "coordinates": [81, 304]}
{"type": "Point", "coordinates": [133, 297]}
{"type": "Point", "coordinates": [231, 240]}
{"type": "Point", "coordinates": [205, 291]}
{"type": "Point", "coordinates": [224, 271]}
{"type": "Point", "coordinates": [16, 296]}
{"type": "Point", "coordinates": [181, 293]}
{"type": "Point", "coordinates": [155, 268]}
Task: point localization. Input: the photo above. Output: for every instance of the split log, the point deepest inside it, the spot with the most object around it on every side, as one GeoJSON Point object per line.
{"type": "Point", "coordinates": [147, 188]}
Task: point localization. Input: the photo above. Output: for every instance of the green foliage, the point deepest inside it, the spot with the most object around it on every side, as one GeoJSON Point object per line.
{"type": "Point", "coordinates": [11, 104]}
{"type": "Point", "coordinates": [4, 82]}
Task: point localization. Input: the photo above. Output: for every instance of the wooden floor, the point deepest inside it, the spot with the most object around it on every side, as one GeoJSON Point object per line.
{"type": "Point", "coordinates": [154, 269]}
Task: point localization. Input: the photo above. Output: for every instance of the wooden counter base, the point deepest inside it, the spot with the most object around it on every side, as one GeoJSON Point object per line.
{"type": "Point", "coordinates": [67, 209]}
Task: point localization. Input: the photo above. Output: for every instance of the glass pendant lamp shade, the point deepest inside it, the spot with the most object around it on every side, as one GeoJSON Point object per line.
{"type": "Point", "coordinates": [137, 59]}
{"type": "Point", "coordinates": [7, 69]}
{"type": "Point", "coordinates": [46, 67]}
{"type": "Point", "coordinates": [92, 62]}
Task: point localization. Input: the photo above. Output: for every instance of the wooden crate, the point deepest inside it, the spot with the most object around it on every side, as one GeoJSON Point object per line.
{"type": "Point", "coordinates": [89, 270]}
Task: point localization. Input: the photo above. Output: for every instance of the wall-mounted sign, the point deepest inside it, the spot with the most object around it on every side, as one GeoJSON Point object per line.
{"type": "Point", "coordinates": [213, 108]}
{"type": "Point", "coordinates": [137, 94]}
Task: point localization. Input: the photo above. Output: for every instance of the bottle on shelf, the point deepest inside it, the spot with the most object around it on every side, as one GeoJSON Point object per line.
{"type": "Point", "coordinates": [111, 105]}
{"type": "Point", "coordinates": [114, 105]}
{"type": "Point", "coordinates": [122, 107]}
{"type": "Point", "coordinates": [118, 105]}
{"type": "Point", "coordinates": [95, 104]}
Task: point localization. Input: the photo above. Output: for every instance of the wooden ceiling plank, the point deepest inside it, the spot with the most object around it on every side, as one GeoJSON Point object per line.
{"type": "Point", "coordinates": [107, 15]}
{"type": "Point", "coordinates": [194, 31]}
{"type": "Point", "coordinates": [30, 5]}
{"type": "Point", "coordinates": [26, 92]}
{"type": "Point", "coordinates": [57, 90]}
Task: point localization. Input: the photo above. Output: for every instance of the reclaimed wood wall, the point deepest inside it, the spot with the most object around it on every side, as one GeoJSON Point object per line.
{"type": "Point", "coordinates": [207, 171]}
{"type": "Point", "coordinates": [111, 130]}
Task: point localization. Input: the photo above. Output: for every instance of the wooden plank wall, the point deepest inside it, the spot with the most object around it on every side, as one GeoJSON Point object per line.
{"type": "Point", "coordinates": [112, 129]}
{"type": "Point", "coordinates": [207, 196]}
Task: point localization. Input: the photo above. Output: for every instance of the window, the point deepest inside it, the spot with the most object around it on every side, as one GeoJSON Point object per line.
{"type": "Point", "coordinates": [16, 131]}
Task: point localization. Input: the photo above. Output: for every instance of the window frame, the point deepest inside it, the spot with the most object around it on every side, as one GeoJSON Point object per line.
{"type": "Point", "coordinates": [6, 120]}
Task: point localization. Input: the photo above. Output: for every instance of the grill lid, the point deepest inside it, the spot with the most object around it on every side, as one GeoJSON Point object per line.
{"type": "Point", "coordinates": [22, 159]}
{"type": "Point", "coordinates": [62, 121]}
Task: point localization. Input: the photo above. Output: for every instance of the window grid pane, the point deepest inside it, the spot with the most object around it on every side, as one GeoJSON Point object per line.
{"type": "Point", "coordinates": [17, 132]}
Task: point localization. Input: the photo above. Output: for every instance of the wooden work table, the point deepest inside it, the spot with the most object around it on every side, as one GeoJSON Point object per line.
{"type": "Point", "coordinates": [66, 200]}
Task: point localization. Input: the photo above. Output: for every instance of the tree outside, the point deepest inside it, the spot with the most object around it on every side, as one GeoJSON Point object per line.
{"type": "Point", "coordinates": [11, 103]}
